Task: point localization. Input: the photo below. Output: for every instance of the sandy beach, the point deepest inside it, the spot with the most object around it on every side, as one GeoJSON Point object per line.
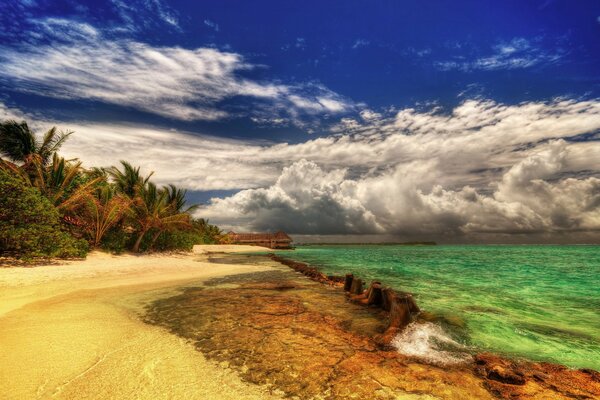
{"type": "Point", "coordinates": [71, 331]}
{"type": "Point", "coordinates": [213, 325]}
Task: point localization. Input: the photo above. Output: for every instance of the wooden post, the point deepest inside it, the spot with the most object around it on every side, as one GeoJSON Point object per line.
{"type": "Point", "coordinates": [357, 286]}
{"type": "Point", "coordinates": [399, 317]}
{"type": "Point", "coordinates": [400, 312]}
{"type": "Point", "coordinates": [348, 282]}
{"type": "Point", "coordinates": [375, 296]}
{"type": "Point", "coordinates": [387, 298]}
{"type": "Point", "coordinates": [412, 304]}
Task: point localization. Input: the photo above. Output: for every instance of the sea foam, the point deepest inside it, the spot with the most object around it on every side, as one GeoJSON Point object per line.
{"type": "Point", "coordinates": [428, 342]}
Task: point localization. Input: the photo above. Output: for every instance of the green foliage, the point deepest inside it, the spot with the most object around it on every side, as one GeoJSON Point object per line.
{"type": "Point", "coordinates": [18, 142]}
{"type": "Point", "coordinates": [117, 209]}
{"type": "Point", "coordinates": [30, 224]}
{"type": "Point", "coordinates": [177, 240]}
{"type": "Point", "coordinates": [116, 240]}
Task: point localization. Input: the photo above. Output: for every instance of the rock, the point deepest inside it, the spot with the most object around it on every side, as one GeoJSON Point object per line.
{"type": "Point", "coordinates": [504, 375]}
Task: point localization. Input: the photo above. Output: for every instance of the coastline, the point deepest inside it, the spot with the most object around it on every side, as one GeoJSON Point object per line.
{"type": "Point", "coordinates": [219, 325]}
{"type": "Point", "coordinates": [72, 331]}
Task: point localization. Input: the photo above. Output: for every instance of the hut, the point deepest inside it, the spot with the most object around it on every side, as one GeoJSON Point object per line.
{"type": "Point", "coordinates": [277, 240]}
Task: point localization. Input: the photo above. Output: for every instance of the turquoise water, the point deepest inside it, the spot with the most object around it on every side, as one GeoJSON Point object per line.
{"type": "Point", "coordinates": [537, 302]}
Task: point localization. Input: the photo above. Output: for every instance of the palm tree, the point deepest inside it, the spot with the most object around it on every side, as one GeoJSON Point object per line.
{"type": "Point", "coordinates": [175, 202]}
{"type": "Point", "coordinates": [129, 181]}
{"type": "Point", "coordinates": [60, 181]}
{"type": "Point", "coordinates": [19, 143]}
{"type": "Point", "coordinates": [102, 210]}
{"type": "Point", "coordinates": [152, 210]}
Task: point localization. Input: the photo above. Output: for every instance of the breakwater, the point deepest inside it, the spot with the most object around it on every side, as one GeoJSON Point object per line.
{"type": "Point", "coordinates": [400, 307]}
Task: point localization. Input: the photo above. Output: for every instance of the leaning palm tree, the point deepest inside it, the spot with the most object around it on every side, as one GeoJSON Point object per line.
{"type": "Point", "coordinates": [152, 210]}
{"type": "Point", "coordinates": [60, 181]}
{"type": "Point", "coordinates": [19, 143]}
{"type": "Point", "coordinates": [174, 199]}
{"type": "Point", "coordinates": [102, 210]}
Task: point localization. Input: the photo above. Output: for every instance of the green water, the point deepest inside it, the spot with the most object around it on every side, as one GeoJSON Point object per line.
{"type": "Point", "coordinates": [537, 302]}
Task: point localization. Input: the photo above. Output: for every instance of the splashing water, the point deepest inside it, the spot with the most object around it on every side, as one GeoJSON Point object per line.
{"type": "Point", "coordinates": [428, 342]}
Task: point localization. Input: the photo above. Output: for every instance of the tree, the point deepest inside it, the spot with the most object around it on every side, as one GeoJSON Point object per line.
{"type": "Point", "coordinates": [174, 199]}
{"type": "Point", "coordinates": [30, 224]}
{"type": "Point", "coordinates": [151, 210]}
{"type": "Point", "coordinates": [129, 181]}
{"type": "Point", "coordinates": [19, 143]}
{"type": "Point", "coordinates": [102, 210]}
{"type": "Point", "coordinates": [59, 181]}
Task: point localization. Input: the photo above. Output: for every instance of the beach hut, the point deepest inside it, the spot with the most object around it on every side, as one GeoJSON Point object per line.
{"type": "Point", "coordinates": [277, 240]}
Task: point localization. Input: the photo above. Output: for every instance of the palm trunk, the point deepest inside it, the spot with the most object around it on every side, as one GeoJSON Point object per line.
{"type": "Point", "coordinates": [138, 242]}
{"type": "Point", "coordinates": [154, 238]}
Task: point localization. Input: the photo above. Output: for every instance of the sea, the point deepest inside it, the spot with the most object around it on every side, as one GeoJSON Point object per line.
{"type": "Point", "coordinates": [537, 302]}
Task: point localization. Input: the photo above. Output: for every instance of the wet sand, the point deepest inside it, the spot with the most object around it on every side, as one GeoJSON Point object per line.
{"type": "Point", "coordinates": [72, 331]}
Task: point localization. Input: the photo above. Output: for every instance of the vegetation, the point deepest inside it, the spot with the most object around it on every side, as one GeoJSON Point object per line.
{"type": "Point", "coordinates": [53, 207]}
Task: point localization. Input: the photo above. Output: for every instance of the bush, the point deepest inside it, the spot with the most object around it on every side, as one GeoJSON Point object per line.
{"type": "Point", "coordinates": [177, 240]}
{"type": "Point", "coordinates": [30, 224]}
{"type": "Point", "coordinates": [116, 240]}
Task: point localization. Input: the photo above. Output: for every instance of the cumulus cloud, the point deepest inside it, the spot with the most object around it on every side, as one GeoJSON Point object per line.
{"type": "Point", "coordinates": [483, 168]}
{"type": "Point", "coordinates": [81, 62]}
{"type": "Point", "coordinates": [480, 168]}
{"type": "Point", "coordinates": [306, 199]}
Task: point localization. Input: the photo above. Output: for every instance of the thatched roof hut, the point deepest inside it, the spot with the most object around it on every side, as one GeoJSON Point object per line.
{"type": "Point", "coordinates": [277, 240]}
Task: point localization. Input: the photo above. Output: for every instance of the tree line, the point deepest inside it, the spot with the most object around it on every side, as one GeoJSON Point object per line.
{"type": "Point", "coordinates": [54, 207]}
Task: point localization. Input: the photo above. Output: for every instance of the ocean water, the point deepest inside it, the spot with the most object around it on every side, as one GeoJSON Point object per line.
{"type": "Point", "coordinates": [536, 302]}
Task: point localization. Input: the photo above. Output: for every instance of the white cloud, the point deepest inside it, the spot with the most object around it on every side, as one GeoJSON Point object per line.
{"type": "Point", "coordinates": [481, 168]}
{"type": "Point", "coordinates": [307, 200]}
{"type": "Point", "coordinates": [518, 53]}
{"type": "Point", "coordinates": [211, 24]}
{"type": "Point", "coordinates": [484, 168]}
{"type": "Point", "coordinates": [360, 43]}
{"type": "Point", "coordinates": [187, 84]}
{"type": "Point", "coordinates": [136, 14]}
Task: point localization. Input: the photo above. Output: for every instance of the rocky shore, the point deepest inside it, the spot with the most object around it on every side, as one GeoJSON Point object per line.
{"type": "Point", "coordinates": [305, 339]}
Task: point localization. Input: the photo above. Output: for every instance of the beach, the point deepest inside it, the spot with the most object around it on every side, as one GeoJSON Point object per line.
{"type": "Point", "coordinates": [70, 331]}
{"type": "Point", "coordinates": [222, 323]}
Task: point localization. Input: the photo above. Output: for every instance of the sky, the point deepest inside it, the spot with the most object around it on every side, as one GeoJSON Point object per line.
{"type": "Point", "coordinates": [463, 121]}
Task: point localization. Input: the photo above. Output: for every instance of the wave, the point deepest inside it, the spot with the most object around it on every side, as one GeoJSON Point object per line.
{"type": "Point", "coordinates": [428, 342]}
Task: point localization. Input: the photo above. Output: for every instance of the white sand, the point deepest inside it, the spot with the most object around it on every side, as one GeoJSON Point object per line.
{"type": "Point", "coordinates": [71, 331]}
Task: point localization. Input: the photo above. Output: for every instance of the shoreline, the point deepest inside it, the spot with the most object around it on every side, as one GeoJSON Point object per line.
{"type": "Point", "coordinates": [91, 339]}
{"type": "Point", "coordinates": [361, 295]}
{"type": "Point", "coordinates": [73, 331]}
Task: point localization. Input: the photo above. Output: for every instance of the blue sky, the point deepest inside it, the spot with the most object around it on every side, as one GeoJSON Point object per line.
{"type": "Point", "coordinates": [244, 102]}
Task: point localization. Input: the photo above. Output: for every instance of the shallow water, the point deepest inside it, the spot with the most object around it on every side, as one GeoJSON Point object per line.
{"type": "Point", "coordinates": [301, 339]}
{"type": "Point", "coordinates": [537, 302]}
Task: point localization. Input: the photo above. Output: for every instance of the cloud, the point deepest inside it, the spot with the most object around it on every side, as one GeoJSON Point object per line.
{"type": "Point", "coordinates": [137, 14]}
{"type": "Point", "coordinates": [211, 24]}
{"type": "Point", "coordinates": [518, 53]}
{"type": "Point", "coordinates": [305, 199]}
{"type": "Point", "coordinates": [481, 168]}
{"type": "Point", "coordinates": [360, 43]}
{"type": "Point", "coordinates": [80, 62]}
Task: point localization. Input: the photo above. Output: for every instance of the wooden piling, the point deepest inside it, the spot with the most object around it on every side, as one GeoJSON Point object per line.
{"type": "Point", "coordinates": [357, 286]}
{"type": "Point", "coordinates": [375, 296]}
{"type": "Point", "coordinates": [348, 282]}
